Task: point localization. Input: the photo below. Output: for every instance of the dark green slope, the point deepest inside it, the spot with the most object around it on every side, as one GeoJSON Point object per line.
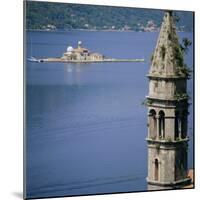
{"type": "Point", "coordinates": [71, 16]}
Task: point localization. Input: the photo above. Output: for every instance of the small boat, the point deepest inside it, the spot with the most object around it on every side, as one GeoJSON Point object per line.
{"type": "Point", "coordinates": [32, 59]}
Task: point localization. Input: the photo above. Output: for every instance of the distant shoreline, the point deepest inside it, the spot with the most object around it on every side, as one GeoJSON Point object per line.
{"type": "Point", "coordinates": [93, 30]}
{"type": "Point", "coordinates": [88, 30]}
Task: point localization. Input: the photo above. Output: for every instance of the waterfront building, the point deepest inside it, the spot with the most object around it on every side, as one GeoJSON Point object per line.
{"type": "Point", "coordinates": [81, 54]}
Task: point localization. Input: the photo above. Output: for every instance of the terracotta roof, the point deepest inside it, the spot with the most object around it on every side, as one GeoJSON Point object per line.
{"type": "Point", "coordinates": [80, 50]}
{"type": "Point", "coordinates": [97, 54]}
{"type": "Point", "coordinates": [190, 175]}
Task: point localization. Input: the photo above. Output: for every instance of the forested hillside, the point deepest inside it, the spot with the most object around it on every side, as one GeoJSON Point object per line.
{"type": "Point", "coordinates": [51, 16]}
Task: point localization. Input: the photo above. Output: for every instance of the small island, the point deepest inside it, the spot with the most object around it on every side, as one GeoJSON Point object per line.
{"type": "Point", "coordinates": [82, 55]}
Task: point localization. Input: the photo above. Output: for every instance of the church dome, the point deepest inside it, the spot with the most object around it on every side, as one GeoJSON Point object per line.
{"type": "Point", "coordinates": [69, 49]}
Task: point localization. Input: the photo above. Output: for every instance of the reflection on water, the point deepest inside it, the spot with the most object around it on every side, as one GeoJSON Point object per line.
{"type": "Point", "coordinates": [72, 73]}
{"type": "Point", "coordinates": [86, 126]}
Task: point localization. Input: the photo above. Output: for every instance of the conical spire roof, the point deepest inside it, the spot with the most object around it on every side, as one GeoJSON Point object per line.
{"type": "Point", "coordinates": [168, 57]}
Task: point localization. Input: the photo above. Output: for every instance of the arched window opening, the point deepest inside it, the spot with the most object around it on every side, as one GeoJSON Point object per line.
{"type": "Point", "coordinates": [161, 124]}
{"type": "Point", "coordinates": [183, 161]}
{"type": "Point", "coordinates": [177, 119]}
{"type": "Point", "coordinates": [184, 124]}
{"type": "Point", "coordinates": [156, 170]}
{"type": "Point", "coordinates": [176, 170]}
{"type": "Point", "coordinates": [180, 124]}
{"type": "Point", "coordinates": [152, 123]}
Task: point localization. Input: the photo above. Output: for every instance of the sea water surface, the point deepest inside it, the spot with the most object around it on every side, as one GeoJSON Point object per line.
{"type": "Point", "coordinates": [85, 123]}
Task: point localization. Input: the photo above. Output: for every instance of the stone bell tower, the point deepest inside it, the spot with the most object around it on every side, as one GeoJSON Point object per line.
{"type": "Point", "coordinates": [167, 104]}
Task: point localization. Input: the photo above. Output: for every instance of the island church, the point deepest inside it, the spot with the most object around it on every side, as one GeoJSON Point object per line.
{"type": "Point", "coordinates": [81, 54]}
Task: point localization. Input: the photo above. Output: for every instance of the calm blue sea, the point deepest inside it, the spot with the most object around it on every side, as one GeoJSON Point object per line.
{"type": "Point", "coordinates": [85, 124]}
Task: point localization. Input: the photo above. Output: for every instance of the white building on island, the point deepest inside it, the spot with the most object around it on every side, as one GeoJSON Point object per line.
{"type": "Point", "coordinates": [81, 54]}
